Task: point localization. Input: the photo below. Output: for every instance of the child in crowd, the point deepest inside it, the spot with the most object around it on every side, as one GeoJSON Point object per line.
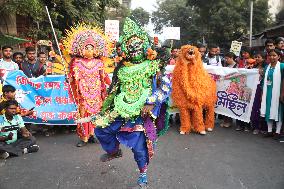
{"type": "Point", "coordinates": [229, 60]}
{"type": "Point", "coordinates": [9, 93]}
{"type": "Point", "coordinates": [15, 139]}
{"type": "Point", "coordinates": [271, 107]}
{"type": "Point", "coordinates": [257, 122]}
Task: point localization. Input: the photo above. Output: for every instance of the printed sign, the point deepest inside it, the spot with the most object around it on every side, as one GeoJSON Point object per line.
{"type": "Point", "coordinates": [112, 29]}
{"type": "Point", "coordinates": [236, 47]}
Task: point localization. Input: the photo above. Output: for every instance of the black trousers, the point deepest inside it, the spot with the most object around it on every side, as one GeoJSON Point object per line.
{"type": "Point", "coordinates": [17, 147]}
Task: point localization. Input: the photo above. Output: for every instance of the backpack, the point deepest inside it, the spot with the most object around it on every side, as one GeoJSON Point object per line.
{"type": "Point", "coordinates": [206, 59]}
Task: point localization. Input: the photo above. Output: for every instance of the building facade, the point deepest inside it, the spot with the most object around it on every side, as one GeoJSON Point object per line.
{"type": "Point", "coordinates": [126, 3]}
{"type": "Point", "coordinates": [275, 6]}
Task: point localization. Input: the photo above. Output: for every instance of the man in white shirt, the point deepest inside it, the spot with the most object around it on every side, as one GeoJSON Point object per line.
{"type": "Point", "coordinates": [212, 58]}
{"type": "Point", "coordinates": [6, 63]}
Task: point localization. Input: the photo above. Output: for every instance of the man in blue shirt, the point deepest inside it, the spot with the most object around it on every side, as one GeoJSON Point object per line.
{"type": "Point", "coordinates": [15, 139]}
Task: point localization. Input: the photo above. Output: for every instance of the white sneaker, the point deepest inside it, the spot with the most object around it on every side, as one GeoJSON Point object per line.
{"type": "Point", "coordinates": [4, 155]}
{"type": "Point", "coordinates": [182, 132]}
{"type": "Point", "coordinates": [203, 132]}
{"type": "Point", "coordinates": [209, 129]}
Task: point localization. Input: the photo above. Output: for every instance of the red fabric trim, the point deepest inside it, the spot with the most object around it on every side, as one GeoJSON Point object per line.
{"type": "Point", "coordinates": [144, 169]}
{"type": "Point", "coordinates": [135, 128]}
{"type": "Point", "coordinates": [150, 148]}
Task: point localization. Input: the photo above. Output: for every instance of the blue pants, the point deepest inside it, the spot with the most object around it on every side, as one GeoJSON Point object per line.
{"type": "Point", "coordinates": [111, 136]}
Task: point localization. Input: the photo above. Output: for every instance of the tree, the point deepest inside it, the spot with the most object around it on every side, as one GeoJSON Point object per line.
{"type": "Point", "coordinates": [139, 15]}
{"type": "Point", "coordinates": [261, 16]}
{"type": "Point", "coordinates": [102, 5]}
{"type": "Point", "coordinates": [64, 13]}
{"type": "Point", "coordinates": [175, 13]}
{"type": "Point", "coordinates": [225, 21]}
{"type": "Point", "coordinates": [218, 21]}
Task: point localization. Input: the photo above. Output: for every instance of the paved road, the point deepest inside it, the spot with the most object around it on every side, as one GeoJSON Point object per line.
{"type": "Point", "coordinates": [224, 159]}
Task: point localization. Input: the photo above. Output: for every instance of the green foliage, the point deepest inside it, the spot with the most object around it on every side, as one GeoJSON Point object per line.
{"type": "Point", "coordinates": [64, 13]}
{"type": "Point", "coordinates": [218, 21]}
{"type": "Point", "coordinates": [176, 13]}
{"type": "Point", "coordinates": [33, 8]}
{"type": "Point", "coordinates": [140, 16]}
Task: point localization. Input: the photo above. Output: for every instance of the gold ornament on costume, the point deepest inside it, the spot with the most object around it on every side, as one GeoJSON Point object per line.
{"type": "Point", "coordinates": [82, 39]}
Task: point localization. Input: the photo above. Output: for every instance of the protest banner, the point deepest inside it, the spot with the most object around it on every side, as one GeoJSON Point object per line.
{"type": "Point", "coordinates": [48, 95]}
{"type": "Point", "coordinates": [53, 105]}
{"type": "Point", "coordinates": [112, 29]}
{"type": "Point", "coordinates": [235, 91]}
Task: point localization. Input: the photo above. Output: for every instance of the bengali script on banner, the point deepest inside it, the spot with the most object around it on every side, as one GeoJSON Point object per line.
{"type": "Point", "coordinates": [235, 91]}
{"type": "Point", "coordinates": [48, 95]}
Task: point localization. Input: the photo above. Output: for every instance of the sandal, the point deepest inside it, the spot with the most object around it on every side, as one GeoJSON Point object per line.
{"type": "Point", "coordinates": [81, 143]}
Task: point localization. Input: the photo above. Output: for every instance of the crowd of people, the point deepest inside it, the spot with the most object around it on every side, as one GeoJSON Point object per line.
{"type": "Point", "coordinates": [267, 110]}
{"type": "Point", "coordinates": [33, 66]}
{"type": "Point", "coordinates": [16, 136]}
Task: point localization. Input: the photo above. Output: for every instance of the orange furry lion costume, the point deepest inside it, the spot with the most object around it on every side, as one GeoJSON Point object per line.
{"type": "Point", "coordinates": [194, 91]}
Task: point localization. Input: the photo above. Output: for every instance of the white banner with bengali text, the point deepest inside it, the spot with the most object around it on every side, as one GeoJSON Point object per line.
{"type": "Point", "coordinates": [235, 91]}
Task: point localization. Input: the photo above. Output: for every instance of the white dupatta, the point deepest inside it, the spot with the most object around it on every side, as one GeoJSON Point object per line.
{"type": "Point", "coordinates": [276, 89]}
